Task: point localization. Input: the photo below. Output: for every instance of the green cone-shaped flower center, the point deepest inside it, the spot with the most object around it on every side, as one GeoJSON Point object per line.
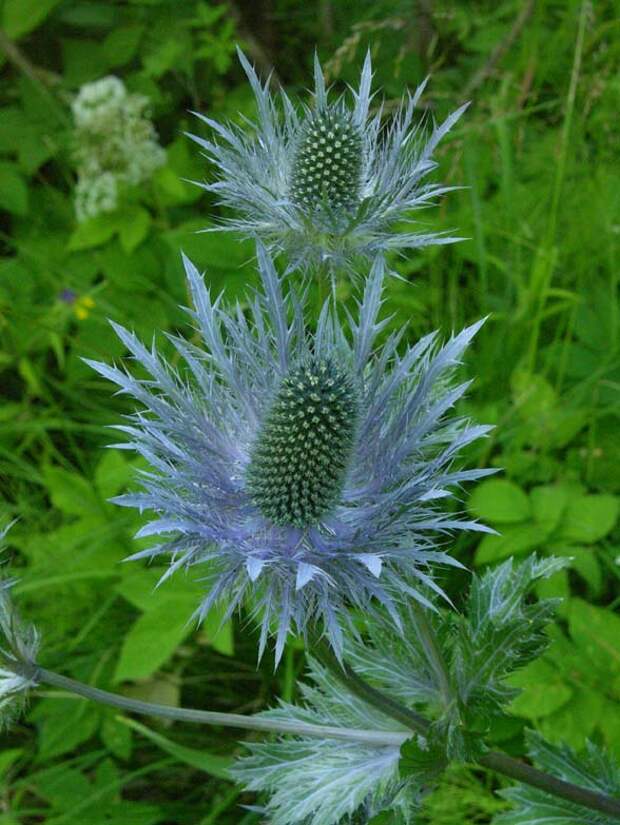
{"type": "Point", "coordinates": [299, 459]}
{"type": "Point", "coordinates": [328, 162]}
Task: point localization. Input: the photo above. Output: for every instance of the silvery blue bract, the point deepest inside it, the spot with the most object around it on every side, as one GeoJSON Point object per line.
{"type": "Point", "coordinates": [326, 185]}
{"type": "Point", "coordinates": [299, 555]}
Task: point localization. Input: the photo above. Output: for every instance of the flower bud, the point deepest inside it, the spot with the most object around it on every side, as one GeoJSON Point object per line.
{"type": "Point", "coordinates": [327, 166]}
{"type": "Point", "coordinates": [301, 453]}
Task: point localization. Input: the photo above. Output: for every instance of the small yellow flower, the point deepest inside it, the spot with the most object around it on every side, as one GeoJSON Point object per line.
{"type": "Point", "coordinates": [82, 307]}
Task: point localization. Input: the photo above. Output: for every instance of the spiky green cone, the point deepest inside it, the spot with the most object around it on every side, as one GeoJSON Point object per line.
{"type": "Point", "coordinates": [328, 163]}
{"type": "Point", "coordinates": [300, 457]}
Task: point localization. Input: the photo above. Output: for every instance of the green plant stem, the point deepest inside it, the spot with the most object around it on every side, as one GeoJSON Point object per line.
{"type": "Point", "coordinates": [359, 687]}
{"type": "Point", "coordinates": [521, 772]}
{"type": "Point", "coordinates": [499, 762]}
{"type": "Point", "coordinates": [434, 656]}
{"type": "Point", "coordinates": [205, 717]}
{"type": "Point", "coordinates": [496, 761]}
{"type": "Point", "coordinates": [325, 284]}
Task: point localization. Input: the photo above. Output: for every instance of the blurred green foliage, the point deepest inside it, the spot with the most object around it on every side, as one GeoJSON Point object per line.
{"type": "Point", "coordinates": [537, 156]}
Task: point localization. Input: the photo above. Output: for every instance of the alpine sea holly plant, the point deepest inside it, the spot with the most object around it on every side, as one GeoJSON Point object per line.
{"type": "Point", "coordinates": [301, 466]}
{"type": "Point", "coordinates": [325, 185]}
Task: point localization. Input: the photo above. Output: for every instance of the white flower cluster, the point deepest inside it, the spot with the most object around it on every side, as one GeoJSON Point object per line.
{"type": "Point", "coordinates": [115, 145]}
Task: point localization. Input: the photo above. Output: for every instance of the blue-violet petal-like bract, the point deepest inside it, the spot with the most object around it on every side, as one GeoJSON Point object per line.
{"type": "Point", "coordinates": [303, 469]}
{"type": "Point", "coordinates": [326, 184]}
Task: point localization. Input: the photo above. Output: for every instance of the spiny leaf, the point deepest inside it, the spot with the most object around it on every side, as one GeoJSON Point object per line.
{"type": "Point", "coordinates": [324, 781]}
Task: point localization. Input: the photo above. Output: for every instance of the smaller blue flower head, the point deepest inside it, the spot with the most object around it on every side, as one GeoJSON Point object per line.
{"type": "Point", "coordinates": [300, 469]}
{"type": "Point", "coordinates": [326, 184]}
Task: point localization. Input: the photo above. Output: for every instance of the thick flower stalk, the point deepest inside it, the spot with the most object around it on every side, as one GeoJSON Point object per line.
{"type": "Point", "coordinates": [326, 184]}
{"type": "Point", "coordinates": [301, 470]}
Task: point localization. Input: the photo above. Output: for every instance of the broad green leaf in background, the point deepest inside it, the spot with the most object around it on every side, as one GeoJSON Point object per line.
{"type": "Point", "coordinates": [8, 757]}
{"type": "Point", "coordinates": [63, 725]}
{"type": "Point", "coordinates": [62, 786]}
{"type": "Point", "coordinates": [166, 620]}
{"type": "Point", "coordinates": [72, 493]}
{"type": "Point", "coordinates": [597, 632]}
{"type": "Point", "coordinates": [208, 762]}
{"type": "Point", "coordinates": [572, 693]}
{"type": "Point", "coordinates": [121, 44]}
{"type": "Point", "coordinates": [30, 135]}
{"type": "Point", "coordinates": [84, 60]}
{"type": "Point", "coordinates": [577, 720]}
{"type": "Point", "coordinates": [130, 223]}
{"type": "Point", "coordinates": [93, 232]}
{"type": "Point", "coordinates": [134, 223]}
{"type": "Point", "coordinates": [548, 504]}
{"type": "Point", "coordinates": [116, 736]}
{"type": "Point", "coordinates": [533, 395]}
{"type": "Point", "coordinates": [154, 637]}
{"type": "Point", "coordinates": [13, 190]}
{"type": "Point", "coordinates": [113, 473]}
{"type": "Point", "coordinates": [557, 519]}
{"type": "Point", "coordinates": [545, 691]}
{"type": "Point", "coordinates": [514, 540]}
{"type": "Point", "coordinates": [547, 422]}
{"type": "Point", "coordinates": [22, 16]}
{"type": "Point", "coordinates": [500, 501]}
{"type": "Point", "coordinates": [589, 518]}
{"type": "Point", "coordinates": [94, 798]}
{"type": "Point", "coordinates": [585, 562]}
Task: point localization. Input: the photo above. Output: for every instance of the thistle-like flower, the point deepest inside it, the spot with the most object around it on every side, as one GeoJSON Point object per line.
{"type": "Point", "coordinates": [299, 469]}
{"type": "Point", "coordinates": [326, 185]}
{"type": "Point", "coordinates": [19, 644]}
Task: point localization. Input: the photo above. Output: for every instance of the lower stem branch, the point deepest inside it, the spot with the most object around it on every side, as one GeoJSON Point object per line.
{"type": "Point", "coordinates": [521, 772]}
{"type": "Point", "coordinates": [499, 762]}
{"type": "Point", "coordinates": [40, 675]}
{"type": "Point", "coordinates": [356, 685]}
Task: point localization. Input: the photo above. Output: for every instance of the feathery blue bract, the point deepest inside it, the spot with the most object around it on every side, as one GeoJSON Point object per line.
{"type": "Point", "coordinates": [326, 185]}
{"type": "Point", "coordinates": [377, 541]}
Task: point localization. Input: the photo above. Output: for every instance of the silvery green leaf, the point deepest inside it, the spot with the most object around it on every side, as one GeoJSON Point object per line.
{"type": "Point", "coordinates": [324, 781]}
{"type": "Point", "coordinates": [501, 630]}
{"type": "Point", "coordinates": [397, 663]}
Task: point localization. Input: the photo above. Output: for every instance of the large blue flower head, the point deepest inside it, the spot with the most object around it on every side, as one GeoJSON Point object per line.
{"type": "Point", "coordinates": [300, 468]}
{"type": "Point", "coordinates": [326, 184]}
